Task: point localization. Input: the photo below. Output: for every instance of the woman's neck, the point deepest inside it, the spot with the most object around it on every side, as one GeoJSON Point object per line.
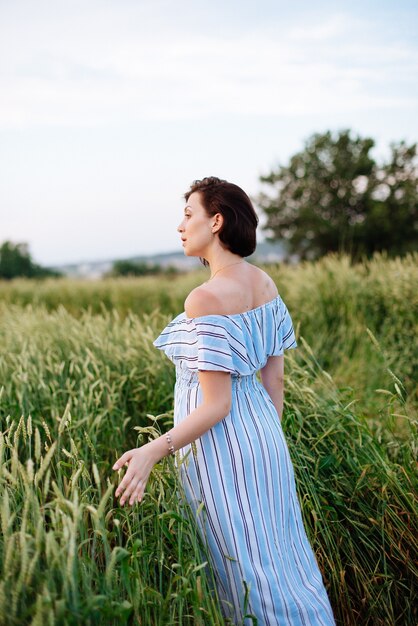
{"type": "Point", "coordinates": [221, 260]}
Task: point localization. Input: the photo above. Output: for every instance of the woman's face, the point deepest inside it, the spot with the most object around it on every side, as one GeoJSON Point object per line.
{"type": "Point", "coordinates": [196, 227]}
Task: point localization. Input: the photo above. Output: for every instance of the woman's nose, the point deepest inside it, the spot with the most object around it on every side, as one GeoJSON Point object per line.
{"type": "Point", "coordinates": [180, 227]}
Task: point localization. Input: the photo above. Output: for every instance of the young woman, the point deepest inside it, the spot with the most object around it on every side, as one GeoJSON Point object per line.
{"type": "Point", "coordinates": [235, 325]}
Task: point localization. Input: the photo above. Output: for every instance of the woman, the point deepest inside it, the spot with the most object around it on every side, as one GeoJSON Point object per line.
{"type": "Point", "coordinates": [239, 467]}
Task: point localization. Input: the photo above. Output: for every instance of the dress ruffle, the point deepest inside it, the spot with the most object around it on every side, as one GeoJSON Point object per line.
{"type": "Point", "coordinates": [239, 344]}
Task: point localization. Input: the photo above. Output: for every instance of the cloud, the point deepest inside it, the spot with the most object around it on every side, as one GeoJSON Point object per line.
{"type": "Point", "coordinates": [73, 69]}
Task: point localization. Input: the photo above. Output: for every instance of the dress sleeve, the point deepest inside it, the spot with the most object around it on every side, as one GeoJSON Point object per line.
{"type": "Point", "coordinates": [213, 347]}
{"type": "Point", "coordinates": [286, 333]}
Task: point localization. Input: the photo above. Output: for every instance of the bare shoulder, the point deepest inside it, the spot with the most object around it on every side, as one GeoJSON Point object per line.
{"type": "Point", "coordinates": [202, 301]}
{"type": "Point", "coordinates": [229, 295]}
{"type": "Point", "coordinates": [265, 283]}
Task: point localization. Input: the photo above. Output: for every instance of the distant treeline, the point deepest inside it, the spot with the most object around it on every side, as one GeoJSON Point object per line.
{"type": "Point", "coordinates": [331, 197]}
{"type": "Point", "coordinates": [139, 268]}
{"type": "Point", "coordinates": [15, 260]}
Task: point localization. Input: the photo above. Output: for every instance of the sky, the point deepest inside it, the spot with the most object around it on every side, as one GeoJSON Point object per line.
{"type": "Point", "coordinates": [109, 109]}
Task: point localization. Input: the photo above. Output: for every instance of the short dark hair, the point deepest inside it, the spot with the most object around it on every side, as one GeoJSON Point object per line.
{"type": "Point", "coordinates": [240, 219]}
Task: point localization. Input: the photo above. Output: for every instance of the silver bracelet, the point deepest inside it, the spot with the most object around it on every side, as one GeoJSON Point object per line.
{"type": "Point", "coordinates": [169, 443]}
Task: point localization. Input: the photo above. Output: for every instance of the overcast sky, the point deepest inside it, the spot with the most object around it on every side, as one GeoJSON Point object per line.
{"type": "Point", "coordinates": [109, 109]}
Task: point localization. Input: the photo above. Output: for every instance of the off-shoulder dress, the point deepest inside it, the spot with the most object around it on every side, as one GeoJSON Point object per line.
{"type": "Point", "coordinates": [241, 471]}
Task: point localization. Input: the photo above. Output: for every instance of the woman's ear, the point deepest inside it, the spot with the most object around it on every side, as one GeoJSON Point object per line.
{"type": "Point", "coordinates": [217, 222]}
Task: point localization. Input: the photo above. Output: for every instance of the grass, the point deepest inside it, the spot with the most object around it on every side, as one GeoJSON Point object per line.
{"type": "Point", "coordinates": [82, 383]}
{"type": "Point", "coordinates": [71, 556]}
{"type": "Point", "coordinates": [333, 303]}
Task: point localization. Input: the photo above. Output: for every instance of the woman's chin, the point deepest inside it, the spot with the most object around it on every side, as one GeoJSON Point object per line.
{"type": "Point", "coordinates": [190, 252]}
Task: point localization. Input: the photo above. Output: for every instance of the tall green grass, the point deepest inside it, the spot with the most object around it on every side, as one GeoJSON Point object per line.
{"type": "Point", "coordinates": [70, 555]}
{"type": "Point", "coordinates": [340, 308]}
{"type": "Point", "coordinates": [332, 302]}
{"type": "Point", "coordinates": [78, 388]}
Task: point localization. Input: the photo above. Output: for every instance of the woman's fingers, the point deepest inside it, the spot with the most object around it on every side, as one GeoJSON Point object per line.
{"type": "Point", "coordinates": [137, 494]}
{"type": "Point", "coordinates": [132, 486]}
{"type": "Point", "coordinates": [133, 491]}
{"type": "Point", "coordinates": [127, 485]}
{"type": "Point", "coordinates": [123, 459]}
{"type": "Point", "coordinates": [126, 480]}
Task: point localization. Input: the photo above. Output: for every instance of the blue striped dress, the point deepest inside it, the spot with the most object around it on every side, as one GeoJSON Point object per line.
{"type": "Point", "coordinates": [238, 476]}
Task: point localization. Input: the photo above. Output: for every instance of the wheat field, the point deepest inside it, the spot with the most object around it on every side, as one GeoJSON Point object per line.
{"type": "Point", "coordinates": [80, 383]}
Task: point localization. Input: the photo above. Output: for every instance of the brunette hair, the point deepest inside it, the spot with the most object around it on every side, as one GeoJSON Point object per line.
{"type": "Point", "coordinates": [240, 219]}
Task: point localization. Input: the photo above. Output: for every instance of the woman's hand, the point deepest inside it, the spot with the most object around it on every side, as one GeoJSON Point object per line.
{"type": "Point", "coordinates": [140, 462]}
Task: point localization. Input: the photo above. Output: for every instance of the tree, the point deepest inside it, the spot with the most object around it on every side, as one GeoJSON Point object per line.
{"type": "Point", "coordinates": [15, 261]}
{"type": "Point", "coordinates": [139, 268]}
{"type": "Point", "coordinates": [334, 197]}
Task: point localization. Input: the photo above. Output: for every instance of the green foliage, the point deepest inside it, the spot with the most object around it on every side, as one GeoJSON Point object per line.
{"type": "Point", "coordinates": [125, 294]}
{"type": "Point", "coordinates": [333, 197]}
{"type": "Point", "coordinates": [340, 307]}
{"type": "Point", "coordinates": [89, 385]}
{"type": "Point", "coordinates": [139, 268]}
{"type": "Point", "coordinates": [358, 496]}
{"type": "Point", "coordinates": [332, 301]}
{"type": "Point", "coordinates": [70, 555]}
{"type": "Point", "coordinates": [15, 261]}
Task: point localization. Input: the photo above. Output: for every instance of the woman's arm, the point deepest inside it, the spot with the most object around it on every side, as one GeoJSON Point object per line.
{"type": "Point", "coordinates": [272, 376]}
{"type": "Point", "coordinates": [216, 404]}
